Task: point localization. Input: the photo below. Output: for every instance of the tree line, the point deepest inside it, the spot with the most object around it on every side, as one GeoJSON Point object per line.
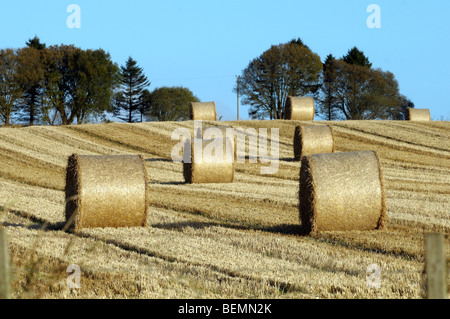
{"type": "Point", "coordinates": [346, 88]}
{"type": "Point", "coordinates": [64, 84]}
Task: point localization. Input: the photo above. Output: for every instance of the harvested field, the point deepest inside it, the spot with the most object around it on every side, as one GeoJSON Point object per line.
{"type": "Point", "coordinates": [237, 240]}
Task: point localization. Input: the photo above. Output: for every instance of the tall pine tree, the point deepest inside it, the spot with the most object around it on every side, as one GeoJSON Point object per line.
{"type": "Point", "coordinates": [31, 77]}
{"type": "Point", "coordinates": [355, 56]}
{"type": "Point", "coordinates": [130, 96]}
{"type": "Point", "coordinates": [35, 43]}
{"type": "Point", "coordinates": [328, 102]}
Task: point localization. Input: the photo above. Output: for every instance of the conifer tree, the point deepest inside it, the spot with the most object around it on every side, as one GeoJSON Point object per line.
{"type": "Point", "coordinates": [130, 96]}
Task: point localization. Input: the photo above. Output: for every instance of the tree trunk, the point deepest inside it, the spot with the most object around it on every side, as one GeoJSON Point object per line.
{"type": "Point", "coordinates": [130, 116]}
{"type": "Point", "coordinates": [33, 105]}
{"type": "Point", "coordinates": [32, 116]}
{"type": "Point", "coordinates": [329, 111]}
{"type": "Point", "coordinates": [64, 119]}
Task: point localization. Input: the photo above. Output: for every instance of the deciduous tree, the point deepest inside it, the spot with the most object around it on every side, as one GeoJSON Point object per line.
{"type": "Point", "coordinates": [78, 83]}
{"type": "Point", "coordinates": [10, 89]}
{"type": "Point", "coordinates": [96, 78]}
{"type": "Point", "coordinates": [364, 93]}
{"type": "Point", "coordinates": [289, 69]}
{"type": "Point", "coordinates": [170, 103]}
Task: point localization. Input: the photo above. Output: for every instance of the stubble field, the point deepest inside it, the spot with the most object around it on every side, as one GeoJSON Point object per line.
{"type": "Point", "coordinates": [237, 240]}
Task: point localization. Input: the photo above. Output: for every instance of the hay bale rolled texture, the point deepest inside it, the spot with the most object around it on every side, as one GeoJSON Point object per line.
{"type": "Point", "coordinates": [418, 114]}
{"type": "Point", "coordinates": [309, 140]}
{"type": "Point", "coordinates": [106, 191]}
{"type": "Point", "coordinates": [299, 108]}
{"type": "Point", "coordinates": [205, 111]}
{"type": "Point", "coordinates": [341, 191]}
{"type": "Point", "coordinates": [206, 167]}
{"type": "Point", "coordinates": [208, 131]}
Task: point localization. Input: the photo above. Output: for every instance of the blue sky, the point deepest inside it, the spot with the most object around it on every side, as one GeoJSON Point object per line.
{"type": "Point", "coordinates": [203, 45]}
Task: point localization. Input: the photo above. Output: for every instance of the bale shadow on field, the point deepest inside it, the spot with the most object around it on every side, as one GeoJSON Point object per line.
{"type": "Point", "coordinates": [168, 183]}
{"type": "Point", "coordinates": [34, 226]}
{"type": "Point", "coordinates": [248, 158]}
{"type": "Point", "coordinates": [34, 223]}
{"type": "Point", "coordinates": [288, 159]}
{"type": "Point", "coordinates": [59, 226]}
{"type": "Point", "coordinates": [158, 160]}
{"type": "Point", "coordinates": [17, 225]}
{"type": "Point", "coordinates": [191, 224]}
{"type": "Point", "coordinates": [256, 159]}
{"type": "Point", "coordinates": [45, 227]}
{"type": "Point", "coordinates": [285, 229]}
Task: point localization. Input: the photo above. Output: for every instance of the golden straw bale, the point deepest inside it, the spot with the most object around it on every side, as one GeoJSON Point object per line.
{"type": "Point", "coordinates": [309, 140]}
{"type": "Point", "coordinates": [341, 192]}
{"type": "Point", "coordinates": [205, 111]}
{"type": "Point", "coordinates": [300, 108]}
{"type": "Point", "coordinates": [106, 191]}
{"type": "Point", "coordinates": [210, 131]}
{"type": "Point", "coordinates": [418, 114]}
{"type": "Point", "coordinates": [208, 166]}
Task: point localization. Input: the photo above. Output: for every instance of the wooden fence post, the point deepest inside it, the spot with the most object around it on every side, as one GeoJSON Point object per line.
{"type": "Point", "coordinates": [5, 282]}
{"type": "Point", "coordinates": [435, 266]}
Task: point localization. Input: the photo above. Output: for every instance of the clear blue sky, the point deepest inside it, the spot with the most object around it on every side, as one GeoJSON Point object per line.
{"type": "Point", "coordinates": [203, 45]}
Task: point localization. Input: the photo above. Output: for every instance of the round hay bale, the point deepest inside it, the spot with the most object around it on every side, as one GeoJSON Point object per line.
{"type": "Point", "coordinates": [106, 191]}
{"type": "Point", "coordinates": [418, 114]}
{"type": "Point", "coordinates": [205, 111]}
{"type": "Point", "coordinates": [226, 131]}
{"type": "Point", "coordinates": [309, 140]}
{"type": "Point", "coordinates": [341, 192]}
{"type": "Point", "coordinates": [209, 168]}
{"type": "Point", "coordinates": [299, 108]}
